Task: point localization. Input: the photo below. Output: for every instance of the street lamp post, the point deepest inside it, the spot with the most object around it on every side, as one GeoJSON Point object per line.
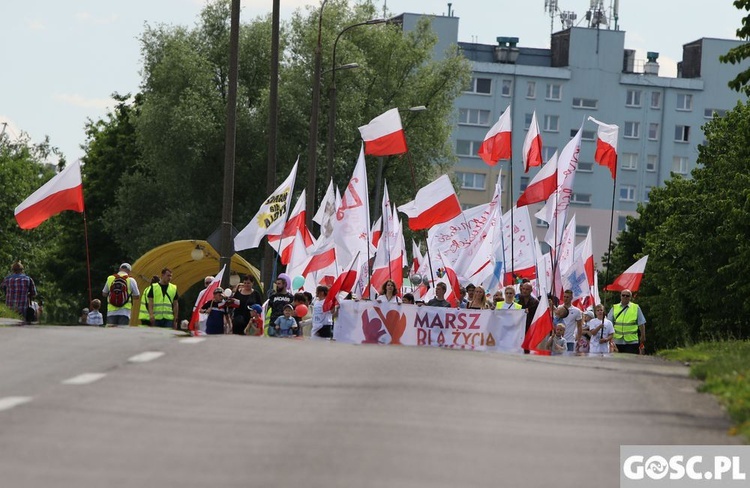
{"type": "Point", "coordinates": [312, 151]}
{"type": "Point", "coordinates": [332, 94]}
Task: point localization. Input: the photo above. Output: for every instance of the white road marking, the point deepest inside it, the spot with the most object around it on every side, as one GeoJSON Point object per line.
{"type": "Point", "coordinates": [145, 357]}
{"type": "Point", "coordinates": [192, 340]}
{"type": "Point", "coordinates": [84, 379]}
{"type": "Point", "coordinates": [9, 402]}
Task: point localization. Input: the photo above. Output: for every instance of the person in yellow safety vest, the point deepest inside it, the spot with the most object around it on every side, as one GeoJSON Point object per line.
{"type": "Point", "coordinates": [630, 324]}
{"type": "Point", "coordinates": [126, 289]}
{"type": "Point", "coordinates": [143, 312]}
{"type": "Point", "coordinates": [509, 300]}
{"type": "Point", "coordinates": [163, 308]}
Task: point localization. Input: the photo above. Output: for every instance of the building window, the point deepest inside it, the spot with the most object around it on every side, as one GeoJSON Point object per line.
{"type": "Point", "coordinates": [506, 88]}
{"type": "Point", "coordinates": [586, 135]}
{"type": "Point", "coordinates": [656, 100]}
{"type": "Point", "coordinates": [632, 130]}
{"type": "Point", "coordinates": [473, 116]}
{"type": "Point", "coordinates": [627, 193]}
{"type": "Point", "coordinates": [548, 152]}
{"type": "Point", "coordinates": [467, 148]}
{"type": "Point", "coordinates": [554, 91]}
{"type": "Point", "coordinates": [652, 161]}
{"type": "Point", "coordinates": [524, 182]}
{"type": "Point", "coordinates": [581, 198]}
{"type": "Point", "coordinates": [527, 121]}
{"type": "Point", "coordinates": [582, 230]}
{"type": "Point", "coordinates": [551, 123]}
{"type": "Point", "coordinates": [680, 165]}
{"type": "Point", "coordinates": [467, 206]}
{"type": "Point", "coordinates": [542, 223]}
{"type": "Point", "coordinates": [629, 161]}
{"type": "Point", "coordinates": [633, 98]}
{"type": "Point", "coordinates": [646, 192]}
{"type": "Point", "coordinates": [682, 133]}
{"type": "Point", "coordinates": [480, 85]}
{"type": "Point", "coordinates": [653, 131]}
{"type": "Point", "coordinates": [531, 89]}
{"type": "Point", "coordinates": [585, 103]}
{"type": "Point", "coordinates": [622, 223]}
{"type": "Point", "coordinates": [585, 167]}
{"type": "Point", "coordinates": [471, 181]}
{"type": "Point", "coordinates": [710, 113]}
{"type": "Point", "coordinates": [684, 101]}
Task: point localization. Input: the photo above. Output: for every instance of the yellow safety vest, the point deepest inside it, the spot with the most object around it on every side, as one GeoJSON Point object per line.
{"type": "Point", "coordinates": [143, 313]}
{"type": "Point", "coordinates": [163, 303]}
{"type": "Point", "coordinates": [500, 305]}
{"type": "Point", "coordinates": [626, 323]}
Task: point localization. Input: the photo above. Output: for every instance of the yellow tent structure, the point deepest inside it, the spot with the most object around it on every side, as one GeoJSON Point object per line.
{"type": "Point", "coordinates": [190, 261]}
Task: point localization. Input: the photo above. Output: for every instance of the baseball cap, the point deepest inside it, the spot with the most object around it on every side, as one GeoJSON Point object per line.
{"type": "Point", "coordinates": [589, 314]}
{"type": "Point", "coordinates": [126, 266]}
{"type": "Point", "coordinates": [258, 309]}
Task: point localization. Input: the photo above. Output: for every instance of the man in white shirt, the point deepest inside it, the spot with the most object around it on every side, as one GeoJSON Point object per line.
{"type": "Point", "coordinates": [573, 322]}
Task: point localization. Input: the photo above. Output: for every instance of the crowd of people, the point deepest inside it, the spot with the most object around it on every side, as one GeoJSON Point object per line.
{"type": "Point", "coordinates": [240, 310]}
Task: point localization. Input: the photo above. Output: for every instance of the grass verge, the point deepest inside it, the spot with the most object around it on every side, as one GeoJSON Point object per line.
{"type": "Point", "coordinates": [6, 313]}
{"type": "Point", "coordinates": [724, 367]}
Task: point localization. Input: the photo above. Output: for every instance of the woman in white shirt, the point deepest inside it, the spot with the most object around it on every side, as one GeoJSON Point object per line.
{"type": "Point", "coordinates": [389, 293]}
{"type": "Point", "coordinates": [601, 331]}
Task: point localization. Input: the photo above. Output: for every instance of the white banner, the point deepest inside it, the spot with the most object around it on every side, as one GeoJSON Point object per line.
{"type": "Point", "coordinates": [366, 322]}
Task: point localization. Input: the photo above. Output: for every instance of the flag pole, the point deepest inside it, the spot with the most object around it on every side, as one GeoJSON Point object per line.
{"type": "Point", "coordinates": [88, 254]}
{"type": "Point", "coordinates": [611, 225]}
{"type": "Point", "coordinates": [512, 225]}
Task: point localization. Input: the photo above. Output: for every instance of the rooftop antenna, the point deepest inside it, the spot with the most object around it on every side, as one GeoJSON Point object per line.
{"type": "Point", "coordinates": [595, 14]}
{"type": "Point", "coordinates": [616, 12]}
{"type": "Point", "coordinates": [550, 6]}
{"type": "Point", "coordinates": [450, 12]}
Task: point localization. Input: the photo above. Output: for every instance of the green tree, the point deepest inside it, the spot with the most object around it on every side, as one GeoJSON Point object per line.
{"type": "Point", "coordinates": [695, 233]}
{"type": "Point", "coordinates": [740, 53]}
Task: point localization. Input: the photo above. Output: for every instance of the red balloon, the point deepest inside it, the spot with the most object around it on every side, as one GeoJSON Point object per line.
{"type": "Point", "coordinates": [301, 310]}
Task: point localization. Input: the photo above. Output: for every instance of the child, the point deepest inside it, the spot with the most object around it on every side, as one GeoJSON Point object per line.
{"type": "Point", "coordinates": [582, 345]}
{"type": "Point", "coordinates": [255, 326]}
{"type": "Point", "coordinates": [557, 343]}
{"type": "Point", "coordinates": [322, 321]}
{"type": "Point", "coordinates": [94, 317]}
{"type": "Point", "coordinates": [285, 324]}
{"type": "Point", "coordinates": [217, 314]}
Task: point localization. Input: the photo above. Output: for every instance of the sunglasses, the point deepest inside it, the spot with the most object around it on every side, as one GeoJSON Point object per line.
{"type": "Point", "coordinates": [626, 296]}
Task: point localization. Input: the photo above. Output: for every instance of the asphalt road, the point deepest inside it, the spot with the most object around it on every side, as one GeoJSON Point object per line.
{"type": "Point", "coordinates": [244, 411]}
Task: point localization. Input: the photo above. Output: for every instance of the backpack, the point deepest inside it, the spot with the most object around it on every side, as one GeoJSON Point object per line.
{"type": "Point", "coordinates": [119, 291]}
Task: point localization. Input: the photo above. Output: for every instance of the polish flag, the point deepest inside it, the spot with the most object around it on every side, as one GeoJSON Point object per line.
{"type": "Point", "coordinates": [351, 227]}
{"type": "Point", "coordinates": [271, 216]}
{"type": "Point", "coordinates": [416, 257]}
{"type": "Point", "coordinates": [542, 185]}
{"type": "Point", "coordinates": [389, 258]}
{"type": "Point", "coordinates": [203, 298]}
{"type": "Point", "coordinates": [434, 204]}
{"type": "Point", "coordinates": [497, 142]}
{"type": "Point", "coordinates": [541, 325]}
{"type": "Point", "coordinates": [631, 278]}
{"type": "Point", "coordinates": [585, 252]}
{"type": "Point", "coordinates": [342, 286]}
{"type": "Point", "coordinates": [323, 256]}
{"type": "Point", "coordinates": [63, 192]}
{"type": "Point", "coordinates": [376, 232]}
{"type": "Point", "coordinates": [384, 135]}
{"type": "Point", "coordinates": [606, 145]}
{"type": "Point", "coordinates": [532, 145]}
{"type": "Point", "coordinates": [295, 223]}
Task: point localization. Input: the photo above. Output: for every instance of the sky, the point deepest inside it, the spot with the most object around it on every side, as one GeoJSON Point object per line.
{"type": "Point", "coordinates": [60, 60]}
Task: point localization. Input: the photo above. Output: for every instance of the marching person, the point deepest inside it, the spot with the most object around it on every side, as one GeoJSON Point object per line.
{"type": "Point", "coordinates": [19, 289]}
{"type": "Point", "coordinates": [163, 308]}
{"type": "Point", "coordinates": [119, 291]}
{"type": "Point", "coordinates": [629, 324]}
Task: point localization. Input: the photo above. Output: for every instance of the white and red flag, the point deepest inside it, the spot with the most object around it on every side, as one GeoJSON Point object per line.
{"type": "Point", "coordinates": [384, 135]}
{"type": "Point", "coordinates": [416, 258]}
{"type": "Point", "coordinates": [555, 211]}
{"type": "Point", "coordinates": [342, 286]}
{"type": "Point", "coordinates": [271, 217]}
{"type": "Point", "coordinates": [203, 298]}
{"type": "Point", "coordinates": [63, 192]}
{"type": "Point", "coordinates": [631, 278]}
{"type": "Point", "coordinates": [606, 145]}
{"type": "Point", "coordinates": [532, 145]}
{"type": "Point", "coordinates": [294, 224]}
{"type": "Point", "coordinates": [434, 204]}
{"type": "Point", "coordinates": [542, 185]}
{"type": "Point", "coordinates": [497, 142]}
{"type": "Point", "coordinates": [327, 211]}
{"type": "Point", "coordinates": [541, 325]}
{"type": "Point", "coordinates": [351, 227]}
{"type": "Point", "coordinates": [521, 244]}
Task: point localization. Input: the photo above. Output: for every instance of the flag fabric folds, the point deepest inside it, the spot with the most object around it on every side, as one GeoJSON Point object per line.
{"type": "Point", "coordinates": [63, 192]}
{"type": "Point", "coordinates": [606, 145]}
{"type": "Point", "coordinates": [497, 142]}
{"type": "Point", "coordinates": [542, 185]}
{"type": "Point", "coordinates": [532, 145]}
{"type": "Point", "coordinates": [203, 298]}
{"type": "Point", "coordinates": [631, 278]}
{"type": "Point", "coordinates": [295, 223]}
{"type": "Point", "coordinates": [271, 217]}
{"type": "Point", "coordinates": [434, 204]}
{"type": "Point", "coordinates": [541, 325]}
{"type": "Point", "coordinates": [384, 135]}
